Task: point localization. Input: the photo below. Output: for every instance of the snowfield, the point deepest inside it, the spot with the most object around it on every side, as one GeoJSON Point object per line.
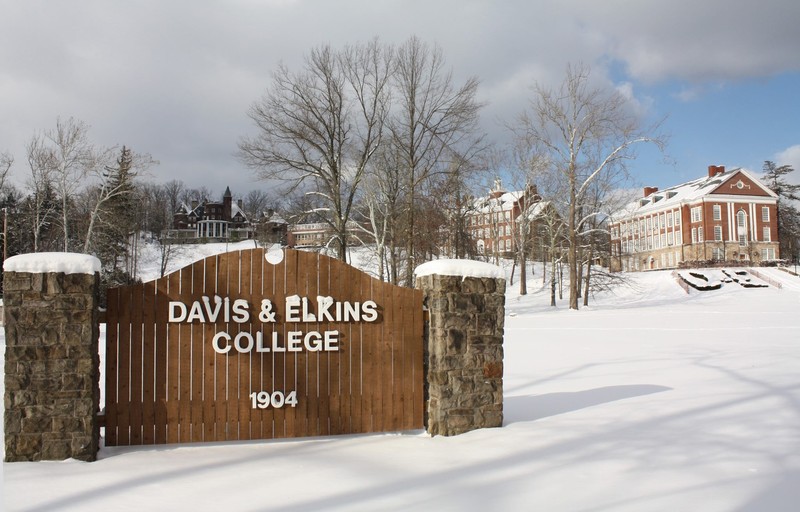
{"type": "Point", "coordinates": [651, 399]}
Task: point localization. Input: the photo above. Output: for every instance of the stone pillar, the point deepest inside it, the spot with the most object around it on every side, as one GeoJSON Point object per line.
{"type": "Point", "coordinates": [52, 366]}
{"type": "Point", "coordinates": [464, 347]}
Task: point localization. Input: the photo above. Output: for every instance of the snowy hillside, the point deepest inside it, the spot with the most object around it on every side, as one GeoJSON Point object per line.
{"type": "Point", "coordinates": [651, 399]}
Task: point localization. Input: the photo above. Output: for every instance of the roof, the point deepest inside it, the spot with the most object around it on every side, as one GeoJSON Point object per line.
{"type": "Point", "coordinates": [504, 202]}
{"type": "Point", "coordinates": [685, 193]}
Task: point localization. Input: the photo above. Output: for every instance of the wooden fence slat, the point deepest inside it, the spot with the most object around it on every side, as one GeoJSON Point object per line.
{"type": "Point", "coordinates": [324, 358]}
{"type": "Point", "coordinates": [148, 363]}
{"type": "Point", "coordinates": [173, 365]}
{"type": "Point", "coordinates": [112, 366]}
{"type": "Point", "coordinates": [160, 305]}
{"type": "Point", "coordinates": [185, 368]}
{"type": "Point", "coordinates": [213, 363]}
{"type": "Point", "coordinates": [136, 377]}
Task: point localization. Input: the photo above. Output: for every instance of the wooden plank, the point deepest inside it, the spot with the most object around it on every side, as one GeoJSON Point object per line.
{"type": "Point", "coordinates": [306, 361]}
{"type": "Point", "coordinates": [160, 305]}
{"type": "Point", "coordinates": [292, 417]}
{"type": "Point", "coordinates": [279, 359]}
{"type": "Point", "coordinates": [148, 362]}
{"type": "Point", "coordinates": [253, 293]}
{"type": "Point", "coordinates": [337, 385]}
{"type": "Point", "coordinates": [351, 399]}
{"type": "Point", "coordinates": [246, 361]}
{"type": "Point", "coordinates": [197, 348]}
{"type": "Point", "coordinates": [369, 369]}
{"type": "Point", "coordinates": [325, 358]}
{"type": "Point", "coordinates": [137, 319]}
{"type": "Point", "coordinates": [384, 339]}
{"type": "Point", "coordinates": [212, 362]}
{"type": "Point", "coordinates": [229, 277]}
{"type": "Point", "coordinates": [112, 366]}
{"type": "Point", "coordinates": [418, 377]}
{"type": "Point", "coordinates": [173, 354]}
{"type": "Point", "coordinates": [185, 358]}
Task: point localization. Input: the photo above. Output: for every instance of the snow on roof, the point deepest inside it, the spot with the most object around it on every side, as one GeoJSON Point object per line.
{"type": "Point", "coordinates": [235, 209]}
{"type": "Point", "coordinates": [487, 204]}
{"type": "Point", "coordinates": [461, 268]}
{"type": "Point", "coordinates": [53, 262]}
{"type": "Point", "coordinates": [685, 192]}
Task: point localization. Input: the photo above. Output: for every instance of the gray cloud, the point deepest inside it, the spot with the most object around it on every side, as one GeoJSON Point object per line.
{"type": "Point", "coordinates": [175, 78]}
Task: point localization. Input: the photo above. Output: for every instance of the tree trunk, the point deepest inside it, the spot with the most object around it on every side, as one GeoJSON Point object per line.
{"type": "Point", "coordinates": [523, 279]}
{"type": "Point", "coordinates": [588, 276]}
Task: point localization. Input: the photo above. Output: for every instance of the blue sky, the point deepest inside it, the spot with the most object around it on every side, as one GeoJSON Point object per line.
{"type": "Point", "coordinates": [175, 79]}
{"type": "Point", "coordinates": [739, 123]}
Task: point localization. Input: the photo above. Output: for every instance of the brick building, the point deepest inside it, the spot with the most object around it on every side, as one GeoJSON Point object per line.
{"type": "Point", "coordinates": [724, 216]}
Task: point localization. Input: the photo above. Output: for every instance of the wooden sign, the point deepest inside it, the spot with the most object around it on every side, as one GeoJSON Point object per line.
{"type": "Point", "coordinates": [234, 347]}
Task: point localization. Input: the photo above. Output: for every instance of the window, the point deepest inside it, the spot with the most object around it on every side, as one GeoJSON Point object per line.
{"type": "Point", "coordinates": [718, 233]}
{"type": "Point", "coordinates": [694, 235]}
{"type": "Point", "coordinates": [700, 234]}
{"type": "Point", "coordinates": [742, 239]}
{"type": "Point", "coordinates": [669, 220]}
{"type": "Point", "coordinates": [765, 213]}
{"type": "Point", "coordinates": [717, 212]}
{"type": "Point", "coordinates": [717, 254]}
{"type": "Point", "coordinates": [765, 235]}
{"type": "Point", "coordinates": [768, 254]}
{"type": "Point", "coordinates": [670, 259]}
{"type": "Point", "coordinates": [741, 220]}
{"type": "Point", "coordinates": [508, 244]}
{"type": "Point", "coordinates": [697, 214]}
{"type": "Point", "coordinates": [670, 238]}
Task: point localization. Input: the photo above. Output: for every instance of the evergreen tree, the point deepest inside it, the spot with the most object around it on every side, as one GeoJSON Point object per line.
{"type": "Point", "coordinates": [775, 177]}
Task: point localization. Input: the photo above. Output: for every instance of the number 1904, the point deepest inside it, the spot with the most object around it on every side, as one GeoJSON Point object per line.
{"type": "Point", "coordinates": [276, 399]}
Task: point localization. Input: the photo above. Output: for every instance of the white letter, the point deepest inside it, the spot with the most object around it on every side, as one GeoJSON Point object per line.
{"type": "Point", "coordinates": [293, 308]}
{"type": "Point", "coordinates": [332, 341]}
{"type": "Point", "coordinates": [260, 342]}
{"type": "Point", "coordinates": [196, 312]}
{"type": "Point", "coordinates": [308, 316]}
{"type": "Point", "coordinates": [215, 342]}
{"type": "Point", "coordinates": [323, 305]}
{"type": "Point", "coordinates": [294, 341]}
{"type": "Point", "coordinates": [312, 341]}
{"type": "Point", "coordinates": [369, 311]}
{"type": "Point", "coordinates": [248, 337]}
{"type": "Point", "coordinates": [275, 346]}
{"type": "Point", "coordinates": [240, 313]}
{"type": "Point", "coordinates": [180, 307]}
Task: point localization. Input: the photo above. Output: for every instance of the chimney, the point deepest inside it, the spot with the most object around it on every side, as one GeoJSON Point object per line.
{"type": "Point", "coordinates": [194, 204]}
{"type": "Point", "coordinates": [239, 203]}
{"type": "Point", "coordinates": [650, 190]}
{"type": "Point", "coordinates": [714, 170]}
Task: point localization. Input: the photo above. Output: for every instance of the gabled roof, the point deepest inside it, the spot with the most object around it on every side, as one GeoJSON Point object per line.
{"type": "Point", "coordinates": [693, 191]}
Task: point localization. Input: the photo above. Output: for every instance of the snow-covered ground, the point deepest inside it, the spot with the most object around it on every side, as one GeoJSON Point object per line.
{"type": "Point", "coordinates": [649, 400]}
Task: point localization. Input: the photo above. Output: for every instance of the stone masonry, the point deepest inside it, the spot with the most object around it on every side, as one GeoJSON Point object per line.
{"type": "Point", "coordinates": [464, 352]}
{"type": "Point", "coordinates": [51, 366]}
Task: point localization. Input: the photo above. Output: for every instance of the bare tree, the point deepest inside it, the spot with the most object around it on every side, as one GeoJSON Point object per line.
{"type": "Point", "coordinates": [6, 161]}
{"type": "Point", "coordinates": [174, 190]}
{"type": "Point", "coordinates": [434, 122]}
{"type": "Point", "coordinates": [585, 135]}
{"type": "Point", "coordinates": [73, 157]}
{"type": "Point", "coordinates": [322, 126]}
{"type": "Point", "coordinates": [42, 201]}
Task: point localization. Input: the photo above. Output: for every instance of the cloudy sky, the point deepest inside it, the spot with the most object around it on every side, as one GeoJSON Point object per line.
{"type": "Point", "coordinates": [175, 78]}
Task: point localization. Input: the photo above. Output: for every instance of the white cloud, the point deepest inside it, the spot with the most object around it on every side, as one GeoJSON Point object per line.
{"type": "Point", "coordinates": [790, 156]}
